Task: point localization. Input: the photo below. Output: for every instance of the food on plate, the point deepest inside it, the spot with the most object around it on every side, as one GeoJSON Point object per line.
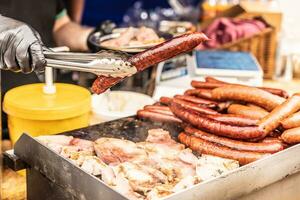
{"type": "Point", "coordinates": [152, 56]}
{"type": "Point", "coordinates": [150, 170]}
{"type": "Point", "coordinates": [131, 37]}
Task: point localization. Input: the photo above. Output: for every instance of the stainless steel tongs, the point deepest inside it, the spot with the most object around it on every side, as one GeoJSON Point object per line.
{"type": "Point", "coordinates": [105, 63]}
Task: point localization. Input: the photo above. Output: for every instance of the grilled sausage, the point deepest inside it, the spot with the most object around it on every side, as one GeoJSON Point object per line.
{"type": "Point", "coordinates": [224, 105]}
{"type": "Point", "coordinates": [210, 79]}
{"type": "Point", "coordinates": [274, 118]}
{"type": "Point", "coordinates": [159, 109]}
{"type": "Point", "coordinates": [248, 94]}
{"type": "Point", "coordinates": [275, 91]}
{"type": "Point", "coordinates": [102, 83]}
{"type": "Point", "coordinates": [157, 104]}
{"type": "Point", "coordinates": [207, 85]}
{"type": "Point", "coordinates": [235, 120]}
{"type": "Point", "coordinates": [164, 51]}
{"type": "Point", "coordinates": [194, 107]}
{"type": "Point", "coordinates": [246, 111]}
{"type": "Point", "coordinates": [291, 136]}
{"type": "Point", "coordinates": [270, 147]}
{"type": "Point", "coordinates": [202, 93]}
{"type": "Point", "coordinates": [197, 100]}
{"type": "Point", "coordinates": [215, 127]}
{"type": "Point", "coordinates": [205, 147]}
{"type": "Point", "coordinates": [157, 117]}
{"type": "Point", "coordinates": [165, 100]}
{"type": "Point", "coordinates": [257, 107]}
{"type": "Point", "coordinates": [291, 122]}
{"type": "Point", "coordinates": [271, 140]}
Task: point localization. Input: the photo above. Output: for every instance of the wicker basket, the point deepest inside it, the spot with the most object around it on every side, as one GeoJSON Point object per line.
{"type": "Point", "coordinates": [262, 46]}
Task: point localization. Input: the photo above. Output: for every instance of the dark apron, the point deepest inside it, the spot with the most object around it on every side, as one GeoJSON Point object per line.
{"type": "Point", "coordinates": [40, 14]}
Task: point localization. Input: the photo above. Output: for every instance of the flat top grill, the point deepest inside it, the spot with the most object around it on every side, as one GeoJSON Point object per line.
{"type": "Point", "coordinates": [129, 128]}
{"type": "Point", "coordinates": [75, 182]}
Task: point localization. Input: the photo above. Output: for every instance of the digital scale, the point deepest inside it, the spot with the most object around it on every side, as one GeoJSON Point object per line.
{"type": "Point", "coordinates": [174, 76]}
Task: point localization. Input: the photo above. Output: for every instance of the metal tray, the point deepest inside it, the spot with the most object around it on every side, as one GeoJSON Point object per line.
{"type": "Point", "coordinates": [95, 40]}
{"type": "Point", "coordinates": [83, 186]}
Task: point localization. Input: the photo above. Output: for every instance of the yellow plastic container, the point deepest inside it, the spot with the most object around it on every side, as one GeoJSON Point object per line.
{"type": "Point", "coordinates": [32, 111]}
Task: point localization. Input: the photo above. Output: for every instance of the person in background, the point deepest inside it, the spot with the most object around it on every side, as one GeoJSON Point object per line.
{"type": "Point", "coordinates": [26, 28]}
{"type": "Point", "coordinates": [75, 9]}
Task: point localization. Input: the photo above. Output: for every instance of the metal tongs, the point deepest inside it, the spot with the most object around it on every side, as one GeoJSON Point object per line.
{"type": "Point", "coordinates": [104, 63]}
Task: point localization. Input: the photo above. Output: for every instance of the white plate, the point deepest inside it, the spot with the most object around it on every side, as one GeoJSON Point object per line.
{"type": "Point", "coordinates": [113, 105]}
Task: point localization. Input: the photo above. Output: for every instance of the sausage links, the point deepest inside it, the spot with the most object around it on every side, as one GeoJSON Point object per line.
{"type": "Point", "coordinates": [215, 127]}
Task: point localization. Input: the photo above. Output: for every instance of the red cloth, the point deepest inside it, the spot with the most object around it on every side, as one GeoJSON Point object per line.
{"type": "Point", "coordinates": [224, 30]}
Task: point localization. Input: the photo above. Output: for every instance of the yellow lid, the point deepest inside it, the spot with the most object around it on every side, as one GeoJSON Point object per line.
{"type": "Point", "coordinates": [30, 102]}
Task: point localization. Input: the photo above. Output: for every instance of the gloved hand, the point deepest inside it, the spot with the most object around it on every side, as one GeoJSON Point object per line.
{"type": "Point", "coordinates": [21, 48]}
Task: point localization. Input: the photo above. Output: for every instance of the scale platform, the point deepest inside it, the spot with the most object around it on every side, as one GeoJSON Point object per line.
{"type": "Point", "coordinates": [235, 67]}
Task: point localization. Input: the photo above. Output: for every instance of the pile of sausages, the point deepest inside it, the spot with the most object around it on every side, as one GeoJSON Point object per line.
{"type": "Point", "coordinates": [231, 120]}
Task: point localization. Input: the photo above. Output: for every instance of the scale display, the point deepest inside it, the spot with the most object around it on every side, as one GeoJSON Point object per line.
{"type": "Point", "coordinates": [226, 60]}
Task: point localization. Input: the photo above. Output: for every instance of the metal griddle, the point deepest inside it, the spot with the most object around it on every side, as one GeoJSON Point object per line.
{"type": "Point", "coordinates": [50, 176]}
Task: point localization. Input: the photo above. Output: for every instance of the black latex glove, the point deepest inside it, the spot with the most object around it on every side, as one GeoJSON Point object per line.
{"type": "Point", "coordinates": [21, 48]}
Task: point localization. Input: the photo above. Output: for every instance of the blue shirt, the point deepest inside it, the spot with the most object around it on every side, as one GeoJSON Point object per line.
{"type": "Point", "coordinates": [99, 10]}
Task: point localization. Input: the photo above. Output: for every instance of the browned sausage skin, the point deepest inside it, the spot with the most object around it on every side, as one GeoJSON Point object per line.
{"type": "Point", "coordinates": [270, 147]}
{"type": "Point", "coordinates": [231, 119]}
{"type": "Point", "coordinates": [257, 107]}
{"type": "Point", "coordinates": [215, 127]}
{"type": "Point", "coordinates": [248, 94]}
{"type": "Point", "coordinates": [291, 136]}
{"type": "Point", "coordinates": [197, 100]}
{"type": "Point", "coordinates": [202, 93]}
{"type": "Point", "coordinates": [275, 91]}
{"type": "Point", "coordinates": [291, 122]}
{"type": "Point", "coordinates": [271, 121]}
{"type": "Point", "coordinates": [166, 50]}
{"type": "Point", "coordinates": [157, 117]}
{"type": "Point", "coordinates": [210, 79]}
{"type": "Point", "coordinates": [102, 83]}
{"type": "Point", "coordinates": [205, 147]}
{"type": "Point", "coordinates": [165, 100]}
{"type": "Point", "coordinates": [247, 111]}
{"type": "Point", "coordinates": [159, 109]}
{"type": "Point", "coordinates": [194, 107]}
